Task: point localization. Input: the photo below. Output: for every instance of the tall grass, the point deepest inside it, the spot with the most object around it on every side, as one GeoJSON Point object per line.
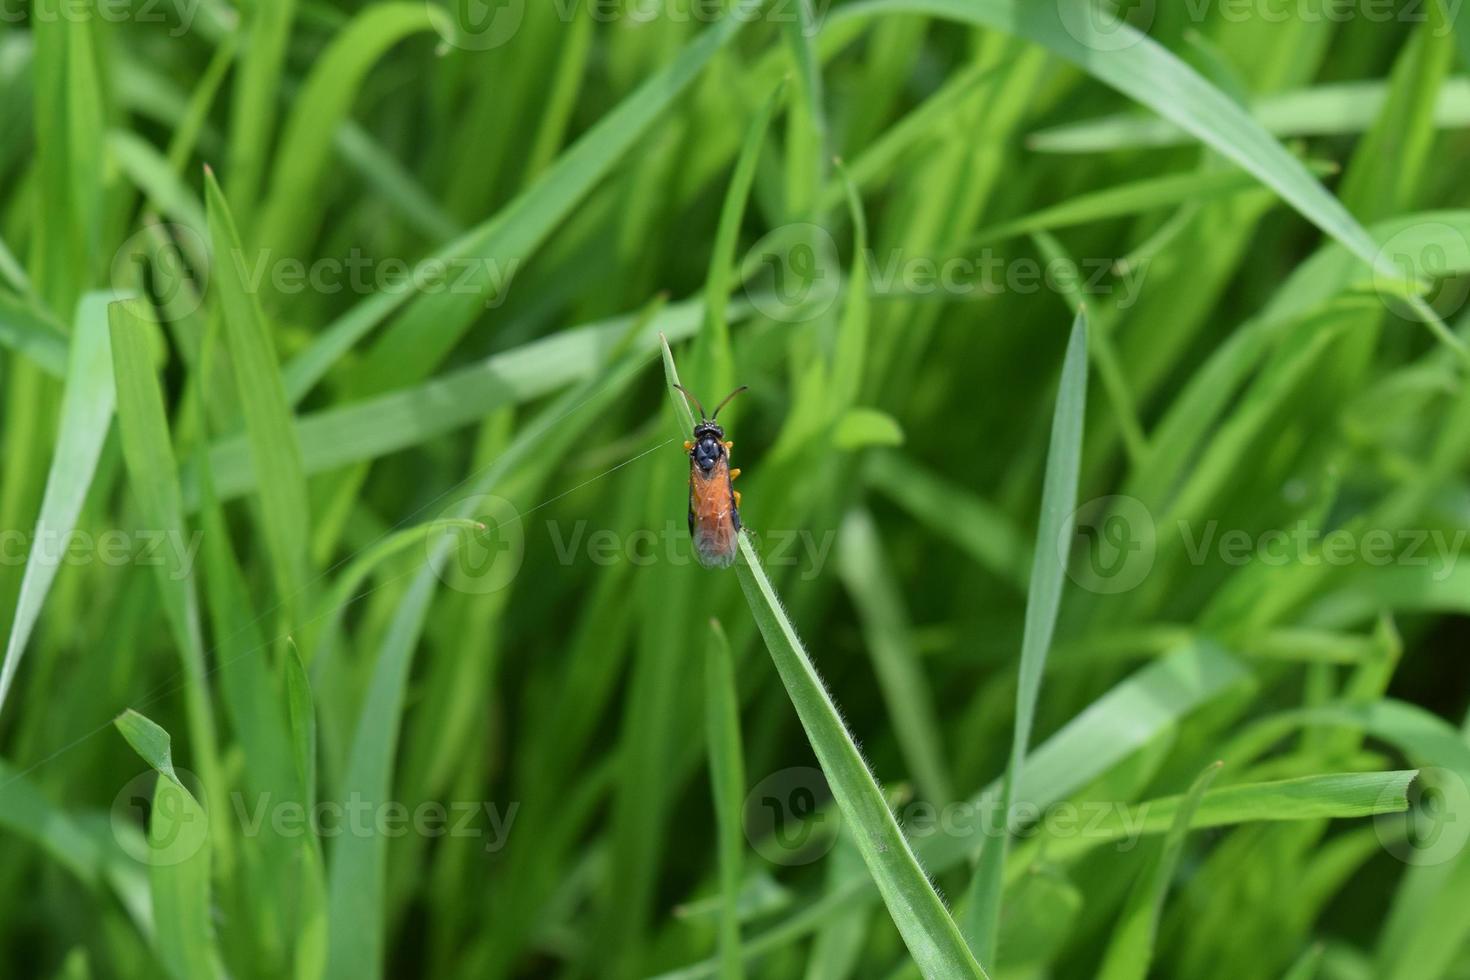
{"type": "Point", "coordinates": [352, 625]}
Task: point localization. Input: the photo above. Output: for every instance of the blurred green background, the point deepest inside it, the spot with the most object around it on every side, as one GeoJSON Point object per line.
{"type": "Point", "coordinates": [352, 627]}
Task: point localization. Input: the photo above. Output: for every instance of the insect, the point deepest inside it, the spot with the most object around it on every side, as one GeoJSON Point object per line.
{"type": "Point", "coordinates": [714, 504]}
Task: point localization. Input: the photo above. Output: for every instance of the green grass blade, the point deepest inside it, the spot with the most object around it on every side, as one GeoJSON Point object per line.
{"type": "Point", "coordinates": [1043, 600]}
{"type": "Point", "coordinates": [1335, 109]}
{"type": "Point", "coordinates": [1331, 796]}
{"type": "Point", "coordinates": [29, 332]}
{"type": "Point", "coordinates": [1148, 73]}
{"type": "Point", "coordinates": [1132, 946]}
{"type": "Point", "coordinates": [86, 417]}
{"type": "Point", "coordinates": [1130, 716]}
{"type": "Point", "coordinates": [930, 934]}
{"type": "Point", "coordinates": [153, 475]}
{"type": "Point", "coordinates": [714, 364]}
{"type": "Point", "coordinates": [275, 453]}
{"type": "Point", "coordinates": [179, 856]}
{"type": "Point", "coordinates": [727, 783]}
{"type": "Point", "coordinates": [1131, 198]}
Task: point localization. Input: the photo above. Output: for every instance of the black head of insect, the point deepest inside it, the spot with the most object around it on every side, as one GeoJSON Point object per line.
{"type": "Point", "coordinates": [708, 436]}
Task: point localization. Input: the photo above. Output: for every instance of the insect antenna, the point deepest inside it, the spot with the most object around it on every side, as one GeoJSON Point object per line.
{"type": "Point", "coordinates": [727, 400]}
{"type": "Point", "coordinates": [689, 395]}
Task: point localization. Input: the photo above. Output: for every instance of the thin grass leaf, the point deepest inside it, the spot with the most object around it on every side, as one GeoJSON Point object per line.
{"type": "Point", "coordinates": [1132, 947]}
{"type": "Point", "coordinates": [153, 475]}
{"type": "Point", "coordinates": [1043, 600]}
{"type": "Point", "coordinates": [715, 365]}
{"type": "Point", "coordinates": [275, 453]}
{"type": "Point", "coordinates": [1335, 109]}
{"type": "Point", "coordinates": [930, 934]}
{"type": "Point", "coordinates": [293, 207]}
{"type": "Point", "coordinates": [727, 783]}
{"type": "Point", "coordinates": [955, 514]}
{"type": "Point", "coordinates": [1127, 718]}
{"type": "Point", "coordinates": [32, 333]}
{"type": "Point", "coordinates": [86, 417]}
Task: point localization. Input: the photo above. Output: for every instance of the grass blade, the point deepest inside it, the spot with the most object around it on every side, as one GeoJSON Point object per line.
{"type": "Point", "coordinates": [274, 451]}
{"type": "Point", "coordinates": [1043, 600]}
{"type": "Point", "coordinates": [930, 934]}
{"type": "Point", "coordinates": [153, 474]}
{"type": "Point", "coordinates": [1150, 74]}
{"type": "Point", "coordinates": [86, 416]}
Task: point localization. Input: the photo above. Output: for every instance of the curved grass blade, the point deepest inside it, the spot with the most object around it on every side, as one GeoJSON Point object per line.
{"type": "Point", "coordinates": [714, 364]}
{"type": "Point", "coordinates": [1043, 600]}
{"type": "Point", "coordinates": [930, 934]}
{"type": "Point", "coordinates": [289, 213]}
{"type": "Point", "coordinates": [86, 416]}
{"type": "Point", "coordinates": [1147, 72]}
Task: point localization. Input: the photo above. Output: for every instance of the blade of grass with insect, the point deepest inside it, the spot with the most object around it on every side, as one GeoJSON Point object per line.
{"type": "Point", "coordinates": [86, 417]}
{"type": "Point", "coordinates": [727, 784]}
{"type": "Point", "coordinates": [1043, 600]}
{"type": "Point", "coordinates": [1132, 946]}
{"type": "Point", "coordinates": [179, 858]}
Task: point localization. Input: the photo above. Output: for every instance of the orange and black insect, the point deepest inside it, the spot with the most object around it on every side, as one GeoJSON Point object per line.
{"type": "Point", "coordinates": [714, 504]}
